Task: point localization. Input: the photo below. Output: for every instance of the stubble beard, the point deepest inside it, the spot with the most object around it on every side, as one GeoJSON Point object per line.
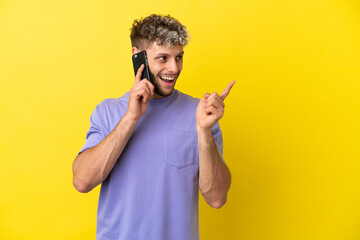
{"type": "Point", "coordinates": [157, 89]}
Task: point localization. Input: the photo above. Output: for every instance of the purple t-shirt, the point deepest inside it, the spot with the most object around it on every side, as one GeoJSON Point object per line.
{"type": "Point", "coordinates": [152, 192]}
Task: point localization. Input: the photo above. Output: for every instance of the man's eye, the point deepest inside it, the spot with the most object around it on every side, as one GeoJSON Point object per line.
{"type": "Point", "coordinates": [162, 58]}
{"type": "Point", "coordinates": [179, 57]}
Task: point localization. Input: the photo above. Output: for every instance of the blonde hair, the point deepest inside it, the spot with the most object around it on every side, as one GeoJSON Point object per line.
{"type": "Point", "coordinates": [162, 29]}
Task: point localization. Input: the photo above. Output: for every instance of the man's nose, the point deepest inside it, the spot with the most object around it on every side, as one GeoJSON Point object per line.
{"type": "Point", "coordinates": [172, 66]}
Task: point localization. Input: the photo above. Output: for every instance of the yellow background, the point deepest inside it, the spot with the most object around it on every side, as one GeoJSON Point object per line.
{"type": "Point", "coordinates": [291, 125]}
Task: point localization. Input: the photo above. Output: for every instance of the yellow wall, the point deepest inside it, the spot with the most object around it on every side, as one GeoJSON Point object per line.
{"type": "Point", "coordinates": [291, 125]}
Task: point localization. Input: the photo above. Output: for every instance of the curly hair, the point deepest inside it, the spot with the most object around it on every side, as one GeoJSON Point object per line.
{"type": "Point", "coordinates": [162, 29]}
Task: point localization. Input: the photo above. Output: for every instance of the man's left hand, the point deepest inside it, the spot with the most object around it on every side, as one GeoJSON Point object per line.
{"type": "Point", "coordinates": [211, 108]}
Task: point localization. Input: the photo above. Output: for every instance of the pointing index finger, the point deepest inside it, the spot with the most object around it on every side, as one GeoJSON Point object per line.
{"type": "Point", "coordinates": [227, 90]}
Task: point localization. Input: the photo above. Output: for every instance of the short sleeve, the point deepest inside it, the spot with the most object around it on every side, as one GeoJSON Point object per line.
{"type": "Point", "coordinates": [217, 135]}
{"type": "Point", "coordinates": [95, 134]}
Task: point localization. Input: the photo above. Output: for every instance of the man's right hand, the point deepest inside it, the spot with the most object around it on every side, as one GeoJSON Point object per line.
{"type": "Point", "coordinates": [139, 96]}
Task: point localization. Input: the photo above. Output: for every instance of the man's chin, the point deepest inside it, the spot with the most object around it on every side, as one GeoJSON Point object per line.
{"type": "Point", "coordinates": [164, 93]}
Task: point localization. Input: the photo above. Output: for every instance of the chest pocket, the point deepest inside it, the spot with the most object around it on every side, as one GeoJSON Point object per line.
{"type": "Point", "coordinates": [180, 148]}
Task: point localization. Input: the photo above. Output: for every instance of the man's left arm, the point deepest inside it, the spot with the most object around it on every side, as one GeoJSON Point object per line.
{"type": "Point", "coordinates": [214, 175]}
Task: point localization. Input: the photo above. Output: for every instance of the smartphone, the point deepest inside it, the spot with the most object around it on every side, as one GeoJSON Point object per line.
{"type": "Point", "coordinates": [138, 59]}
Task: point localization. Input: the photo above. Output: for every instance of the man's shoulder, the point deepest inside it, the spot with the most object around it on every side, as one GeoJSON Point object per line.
{"type": "Point", "coordinates": [109, 103]}
{"type": "Point", "coordinates": [187, 99]}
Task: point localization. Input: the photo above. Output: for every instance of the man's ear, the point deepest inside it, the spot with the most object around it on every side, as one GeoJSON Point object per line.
{"type": "Point", "coordinates": [134, 50]}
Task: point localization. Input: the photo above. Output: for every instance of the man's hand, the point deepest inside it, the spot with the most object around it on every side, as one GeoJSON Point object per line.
{"type": "Point", "coordinates": [139, 96]}
{"type": "Point", "coordinates": [211, 108]}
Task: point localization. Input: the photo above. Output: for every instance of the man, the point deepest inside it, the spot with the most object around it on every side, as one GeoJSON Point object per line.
{"type": "Point", "coordinates": [154, 147]}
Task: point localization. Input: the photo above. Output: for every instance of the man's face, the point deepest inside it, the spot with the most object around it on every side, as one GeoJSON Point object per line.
{"type": "Point", "coordinates": [165, 63]}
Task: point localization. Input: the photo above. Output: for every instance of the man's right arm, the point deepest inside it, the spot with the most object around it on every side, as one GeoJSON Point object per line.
{"type": "Point", "coordinates": [91, 167]}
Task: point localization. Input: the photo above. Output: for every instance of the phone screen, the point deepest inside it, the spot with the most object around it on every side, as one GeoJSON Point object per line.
{"type": "Point", "coordinates": [139, 59]}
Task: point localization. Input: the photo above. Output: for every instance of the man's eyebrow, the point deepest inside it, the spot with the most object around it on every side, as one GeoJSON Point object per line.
{"type": "Point", "coordinates": [166, 54]}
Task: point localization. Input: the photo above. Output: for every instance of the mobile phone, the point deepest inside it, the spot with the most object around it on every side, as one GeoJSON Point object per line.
{"type": "Point", "coordinates": [139, 59]}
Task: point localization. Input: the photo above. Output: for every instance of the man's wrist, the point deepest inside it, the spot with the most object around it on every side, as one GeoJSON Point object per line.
{"type": "Point", "coordinates": [205, 138]}
{"type": "Point", "coordinates": [203, 131]}
{"type": "Point", "coordinates": [131, 118]}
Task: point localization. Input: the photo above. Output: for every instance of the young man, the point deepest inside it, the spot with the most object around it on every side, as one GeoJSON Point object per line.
{"type": "Point", "coordinates": [154, 147]}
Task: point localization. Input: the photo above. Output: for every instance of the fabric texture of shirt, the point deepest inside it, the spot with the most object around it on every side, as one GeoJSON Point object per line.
{"type": "Point", "coordinates": [152, 192]}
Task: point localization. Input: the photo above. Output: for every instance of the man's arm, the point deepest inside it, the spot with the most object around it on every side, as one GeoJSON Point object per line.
{"type": "Point", "coordinates": [214, 175]}
{"type": "Point", "coordinates": [91, 167]}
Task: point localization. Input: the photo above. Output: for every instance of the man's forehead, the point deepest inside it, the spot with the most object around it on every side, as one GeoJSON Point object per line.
{"type": "Point", "coordinates": [154, 48]}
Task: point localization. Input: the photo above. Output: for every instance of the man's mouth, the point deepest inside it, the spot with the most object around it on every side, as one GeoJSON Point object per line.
{"type": "Point", "coordinates": [168, 79]}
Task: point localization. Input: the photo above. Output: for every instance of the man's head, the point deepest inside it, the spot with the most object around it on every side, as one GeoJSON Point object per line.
{"type": "Point", "coordinates": [163, 39]}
